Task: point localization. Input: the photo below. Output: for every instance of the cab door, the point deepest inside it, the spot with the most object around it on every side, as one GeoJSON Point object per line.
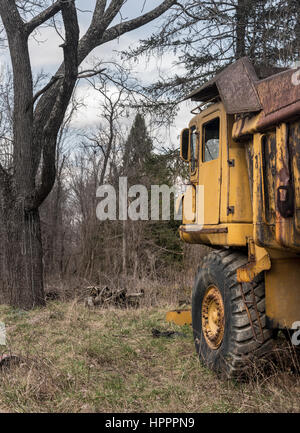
{"type": "Point", "coordinates": [210, 165]}
{"type": "Point", "coordinates": [194, 153]}
{"type": "Point", "coordinates": [194, 149]}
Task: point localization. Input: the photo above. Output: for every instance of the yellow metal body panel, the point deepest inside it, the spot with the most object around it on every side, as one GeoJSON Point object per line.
{"type": "Point", "coordinates": [273, 181]}
{"type": "Point", "coordinates": [264, 224]}
{"type": "Point", "coordinates": [189, 205]}
{"type": "Point", "coordinates": [244, 127]}
{"type": "Point", "coordinates": [283, 293]}
{"type": "Point", "coordinates": [212, 169]}
{"type": "Point", "coordinates": [294, 134]}
{"type": "Point", "coordinates": [227, 197]}
{"type": "Point", "coordinates": [236, 193]}
{"type": "Point", "coordinates": [252, 200]}
{"type": "Point", "coordinates": [258, 261]}
{"type": "Point", "coordinates": [221, 234]}
{"type": "Point", "coordinates": [180, 317]}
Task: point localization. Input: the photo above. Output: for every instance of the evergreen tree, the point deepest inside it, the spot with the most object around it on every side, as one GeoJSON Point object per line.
{"type": "Point", "coordinates": [148, 246]}
{"type": "Point", "coordinates": [138, 148]}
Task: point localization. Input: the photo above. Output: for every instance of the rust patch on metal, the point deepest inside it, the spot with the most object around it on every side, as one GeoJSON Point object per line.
{"type": "Point", "coordinates": [237, 88]}
{"type": "Point", "coordinates": [279, 116]}
{"type": "Point", "coordinates": [278, 91]}
{"type": "Point", "coordinates": [235, 85]}
{"type": "Point", "coordinates": [285, 191]}
{"type": "Point", "coordinates": [269, 173]}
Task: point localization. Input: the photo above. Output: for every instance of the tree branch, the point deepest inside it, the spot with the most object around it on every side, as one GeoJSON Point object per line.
{"type": "Point", "coordinates": [112, 10]}
{"type": "Point", "coordinates": [90, 73]}
{"type": "Point", "coordinates": [57, 115]}
{"type": "Point", "coordinates": [99, 33]}
{"type": "Point", "coordinates": [42, 17]}
{"type": "Point", "coordinates": [53, 80]}
{"type": "Point", "coordinates": [92, 38]}
{"type": "Point", "coordinates": [100, 6]}
{"type": "Point", "coordinates": [127, 26]}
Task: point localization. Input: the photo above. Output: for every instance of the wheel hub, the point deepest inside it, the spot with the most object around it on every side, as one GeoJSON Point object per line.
{"type": "Point", "coordinates": [213, 317]}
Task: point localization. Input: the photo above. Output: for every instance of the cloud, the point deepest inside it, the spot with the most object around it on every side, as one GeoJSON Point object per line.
{"type": "Point", "coordinates": [46, 55]}
{"type": "Point", "coordinates": [89, 115]}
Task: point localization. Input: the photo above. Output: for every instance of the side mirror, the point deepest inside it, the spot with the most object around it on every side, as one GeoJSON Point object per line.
{"type": "Point", "coordinates": [184, 145]}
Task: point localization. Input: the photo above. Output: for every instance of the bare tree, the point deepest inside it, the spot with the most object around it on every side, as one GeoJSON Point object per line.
{"type": "Point", "coordinates": [53, 209]}
{"type": "Point", "coordinates": [100, 148]}
{"type": "Point", "coordinates": [36, 123]}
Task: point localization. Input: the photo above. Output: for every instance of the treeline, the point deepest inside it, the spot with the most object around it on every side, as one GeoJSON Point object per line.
{"type": "Point", "coordinates": [78, 245]}
{"type": "Point", "coordinates": [41, 180]}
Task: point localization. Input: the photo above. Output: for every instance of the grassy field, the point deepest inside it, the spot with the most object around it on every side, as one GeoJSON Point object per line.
{"type": "Point", "coordinates": [80, 360]}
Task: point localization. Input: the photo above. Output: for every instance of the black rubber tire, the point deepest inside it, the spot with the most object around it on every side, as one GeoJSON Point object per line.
{"type": "Point", "coordinates": [239, 347]}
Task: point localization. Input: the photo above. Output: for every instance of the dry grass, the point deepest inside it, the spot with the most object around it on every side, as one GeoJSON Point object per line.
{"type": "Point", "coordinates": [174, 289]}
{"type": "Point", "coordinates": [79, 360]}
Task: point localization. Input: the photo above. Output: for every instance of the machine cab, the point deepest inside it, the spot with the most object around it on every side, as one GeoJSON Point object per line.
{"type": "Point", "coordinates": [219, 189]}
{"type": "Point", "coordinates": [201, 148]}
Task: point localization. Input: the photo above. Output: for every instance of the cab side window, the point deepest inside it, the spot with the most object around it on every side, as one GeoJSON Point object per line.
{"type": "Point", "coordinates": [193, 148]}
{"type": "Point", "coordinates": [211, 140]}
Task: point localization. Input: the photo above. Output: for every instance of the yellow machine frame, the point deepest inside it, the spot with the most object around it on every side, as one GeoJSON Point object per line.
{"type": "Point", "coordinates": [248, 201]}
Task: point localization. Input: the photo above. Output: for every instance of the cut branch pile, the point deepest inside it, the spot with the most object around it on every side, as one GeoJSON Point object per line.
{"type": "Point", "coordinates": [105, 296]}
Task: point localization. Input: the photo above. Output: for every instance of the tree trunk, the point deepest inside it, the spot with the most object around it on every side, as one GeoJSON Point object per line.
{"type": "Point", "coordinates": [241, 26]}
{"type": "Point", "coordinates": [21, 257]}
{"type": "Point", "coordinates": [35, 132]}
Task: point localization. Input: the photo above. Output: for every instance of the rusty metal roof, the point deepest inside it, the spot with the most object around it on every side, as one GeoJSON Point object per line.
{"type": "Point", "coordinates": [235, 86]}
{"type": "Point", "coordinates": [241, 90]}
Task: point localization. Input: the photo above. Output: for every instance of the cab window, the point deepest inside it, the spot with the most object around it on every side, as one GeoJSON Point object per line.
{"type": "Point", "coordinates": [193, 148]}
{"type": "Point", "coordinates": [211, 140]}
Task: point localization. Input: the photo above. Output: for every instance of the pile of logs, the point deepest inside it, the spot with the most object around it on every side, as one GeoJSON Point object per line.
{"type": "Point", "coordinates": [101, 297]}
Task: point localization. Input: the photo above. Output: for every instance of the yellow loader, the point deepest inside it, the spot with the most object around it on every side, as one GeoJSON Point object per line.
{"type": "Point", "coordinates": [243, 147]}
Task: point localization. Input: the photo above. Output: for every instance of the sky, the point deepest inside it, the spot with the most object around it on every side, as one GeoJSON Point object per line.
{"type": "Point", "coordinates": [46, 56]}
